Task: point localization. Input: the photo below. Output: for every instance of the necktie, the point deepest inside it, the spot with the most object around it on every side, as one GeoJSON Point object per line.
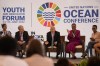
{"type": "Point", "coordinates": [52, 40]}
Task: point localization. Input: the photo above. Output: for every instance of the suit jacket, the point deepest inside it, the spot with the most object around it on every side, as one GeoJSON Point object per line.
{"type": "Point", "coordinates": [25, 36]}
{"type": "Point", "coordinates": [74, 39]}
{"type": "Point", "coordinates": [56, 38]}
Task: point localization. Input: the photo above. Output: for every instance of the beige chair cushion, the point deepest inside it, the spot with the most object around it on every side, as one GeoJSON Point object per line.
{"type": "Point", "coordinates": [79, 46]}
{"type": "Point", "coordinates": [52, 47]}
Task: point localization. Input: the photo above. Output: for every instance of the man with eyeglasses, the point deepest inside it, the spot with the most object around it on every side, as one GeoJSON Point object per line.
{"type": "Point", "coordinates": [95, 38]}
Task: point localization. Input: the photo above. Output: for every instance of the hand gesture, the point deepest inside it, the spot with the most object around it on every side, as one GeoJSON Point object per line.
{"type": "Point", "coordinates": [55, 43]}
{"type": "Point", "coordinates": [68, 31]}
{"type": "Point", "coordinates": [46, 42]}
{"type": "Point", "coordinates": [92, 39]}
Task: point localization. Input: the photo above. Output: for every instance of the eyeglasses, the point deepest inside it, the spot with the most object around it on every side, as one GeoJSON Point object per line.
{"type": "Point", "coordinates": [93, 28]}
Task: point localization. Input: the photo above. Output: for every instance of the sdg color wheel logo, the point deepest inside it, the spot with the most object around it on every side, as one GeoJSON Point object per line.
{"type": "Point", "coordinates": [49, 14]}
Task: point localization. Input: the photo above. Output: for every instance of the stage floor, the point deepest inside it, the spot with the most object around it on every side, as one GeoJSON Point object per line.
{"type": "Point", "coordinates": [76, 61]}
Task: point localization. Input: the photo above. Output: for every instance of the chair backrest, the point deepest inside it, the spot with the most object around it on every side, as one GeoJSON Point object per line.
{"type": "Point", "coordinates": [83, 45]}
{"type": "Point", "coordinates": [83, 40]}
{"type": "Point", "coordinates": [62, 39]}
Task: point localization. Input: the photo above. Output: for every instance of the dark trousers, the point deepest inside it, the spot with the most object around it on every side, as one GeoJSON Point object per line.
{"type": "Point", "coordinates": [58, 48]}
{"type": "Point", "coordinates": [21, 47]}
{"type": "Point", "coordinates": [90, 46]}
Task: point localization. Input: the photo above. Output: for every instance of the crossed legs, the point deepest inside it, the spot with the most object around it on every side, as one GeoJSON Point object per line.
{"type": "Point", "coordinates": [89, 48]}
{"type": "Point", "coordinates": [96, 47]}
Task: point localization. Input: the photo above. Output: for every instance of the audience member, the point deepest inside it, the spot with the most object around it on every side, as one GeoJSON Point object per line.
{"type": "Point", "coordinates": [93, 61]}
{"type": "Point", "coordinates": [95, 38]}
{"type": "Point", "coordinates": [22, 38]}
{"type": "Point", "coordinates": [74, 40]}
{"type": "Point", "coordinates": [4, 31]}
{"type": "Point", "coordinates": [63, 62]}
{"type": "Point", "coordinates": [8, 51]}
{"type": "Point", "coordinates": [35, 55]}
{"type": "Point", "coordinates": [53, 40]}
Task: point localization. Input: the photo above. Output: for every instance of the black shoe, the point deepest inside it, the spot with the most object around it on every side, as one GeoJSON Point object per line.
{"type": "Point", "coordinates": [57, 57]}
{"type": "Point", "coordinates": [85, 54]}
{"type": "Point", "coordinates": [74, 57]}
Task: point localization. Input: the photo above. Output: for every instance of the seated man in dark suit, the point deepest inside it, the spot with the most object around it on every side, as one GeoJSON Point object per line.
{"type": "Point", "coordinates": [22, 38]}
{"type": "Point", "coordinates": [53, 40]}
